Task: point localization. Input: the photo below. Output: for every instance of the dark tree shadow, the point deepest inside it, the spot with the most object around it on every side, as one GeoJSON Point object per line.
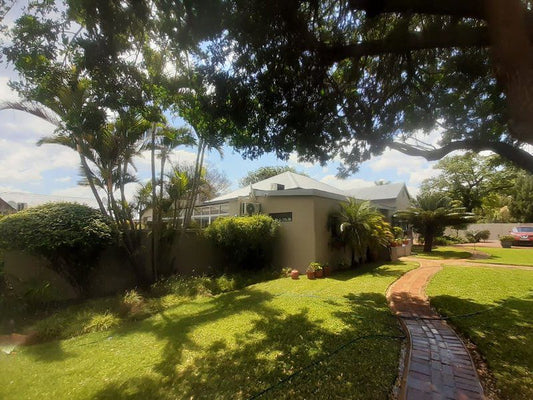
{"type": "Point", "coordinates": [276, 345]}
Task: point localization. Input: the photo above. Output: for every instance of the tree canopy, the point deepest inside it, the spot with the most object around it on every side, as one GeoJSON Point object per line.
{"type": "Point", "coordinates": [350, 77]}
{"type": "Point", "coordinates": [471, 179]}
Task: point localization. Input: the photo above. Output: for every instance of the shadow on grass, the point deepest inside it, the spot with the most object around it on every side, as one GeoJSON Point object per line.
{"type": "Point", "coordinates": [444, 254]}
{"type": "Point", "coordinates": [504, 336]}
{"type": "Point", "coordinates": [375, 269]}
{"type": "Point", "coordinates": [275, 345]}
{"type": "Point", "coordinates": [48, 352]}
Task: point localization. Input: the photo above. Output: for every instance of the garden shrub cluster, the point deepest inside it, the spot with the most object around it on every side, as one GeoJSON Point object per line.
{"type": "Point", "coordinates": [244, 242]}
{"type": "Point", "coordinates": [69, 235]}
{"type": "Point", "coordinates": [446, 240]}
{"type": "Point", "coordinates": [477, 236]}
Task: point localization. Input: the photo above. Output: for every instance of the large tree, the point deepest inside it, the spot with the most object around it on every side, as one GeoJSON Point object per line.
{"type": "Point", "coordinates": [350, 77]}
{"type": "Point", "coordinates": [471, 178]}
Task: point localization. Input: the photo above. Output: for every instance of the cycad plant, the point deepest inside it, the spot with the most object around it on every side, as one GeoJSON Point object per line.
{"type": "Point", "coordinates": [362, 227]}
{"type": "Point", "coordinates": [431, 212]}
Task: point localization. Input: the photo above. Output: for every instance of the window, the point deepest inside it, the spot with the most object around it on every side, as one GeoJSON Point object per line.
{"type": "Point", "coordinates": [282, 217]}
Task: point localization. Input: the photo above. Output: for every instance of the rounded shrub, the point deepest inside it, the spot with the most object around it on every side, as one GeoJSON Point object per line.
{"type": "Point", "coordinates": [69, 235]}
{"type": "Point", "coordinates": [244, 242]}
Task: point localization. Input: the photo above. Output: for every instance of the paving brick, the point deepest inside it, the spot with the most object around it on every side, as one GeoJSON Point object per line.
{"type": "Point", "coordinates": [440, 367]}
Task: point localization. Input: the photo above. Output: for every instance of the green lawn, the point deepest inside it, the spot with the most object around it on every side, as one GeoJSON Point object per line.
{"type": "Point", "coordinates": [230, 346]}
{"type": "Point", "coordinates": [522, 256]}
{"type": "Point", "coordinates": [504, 335]}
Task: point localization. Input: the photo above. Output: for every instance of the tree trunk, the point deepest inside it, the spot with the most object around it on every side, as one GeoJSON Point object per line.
{"type": "Point", "coordinates": [513, 61]}
{"type": "Point", "coordinates": [155, 210]}
{"type": "Point", "coordinates": [88, 175]}
{"type": "Point", "coordinates": [428, 241]}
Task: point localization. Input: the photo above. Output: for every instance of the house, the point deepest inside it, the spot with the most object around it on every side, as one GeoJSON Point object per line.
{"type": "Point", "coordinates": [386, 198]}
{"type": "Point", "coordinates": [6, 208]}
{"type": "Point", "coordinates": [302, 205]}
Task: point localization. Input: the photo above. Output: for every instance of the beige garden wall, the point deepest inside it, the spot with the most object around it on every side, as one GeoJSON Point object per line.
{"type": "Point", "coordinates": [496, 229]}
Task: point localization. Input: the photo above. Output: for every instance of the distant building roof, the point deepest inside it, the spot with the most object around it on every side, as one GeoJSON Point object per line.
{"type": "Point", "coordinates": [293, 185]}
{"type": "Point", "coordinates": [34, 200]}
{"type": "Point", "coordinates": [378, 192]}
{"type": "Point", "coordinates": [5, 206]}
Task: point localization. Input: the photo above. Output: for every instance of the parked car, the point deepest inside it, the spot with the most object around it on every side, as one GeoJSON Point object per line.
{"type": "Point", "coordinates": [522, 235]}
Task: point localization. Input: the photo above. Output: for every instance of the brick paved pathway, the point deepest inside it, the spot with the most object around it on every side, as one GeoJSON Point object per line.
{"type": "Point", "coordinates": [439, 366]}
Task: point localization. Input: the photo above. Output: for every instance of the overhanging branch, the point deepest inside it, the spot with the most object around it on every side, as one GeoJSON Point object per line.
{"type": "Point", "coordinates": [400, 43]}
{"type": "Point", "coordinates": [457, 8]}
{"type": "Point", "coordinates": [516, 155]}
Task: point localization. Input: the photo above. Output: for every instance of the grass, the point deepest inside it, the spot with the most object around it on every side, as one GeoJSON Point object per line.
{"type": "Point", "coordinates": [233, 345]}
{"type": "Point", "coordinates": [504, 335]}
{"type": "Point", "coordinates": [522, 256]}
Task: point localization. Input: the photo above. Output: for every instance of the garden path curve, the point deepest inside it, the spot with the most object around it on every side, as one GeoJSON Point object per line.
{"type": "Point", "coordinates": [439, 365]}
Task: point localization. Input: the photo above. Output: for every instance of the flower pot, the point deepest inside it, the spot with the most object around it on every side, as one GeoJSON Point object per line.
{"type": "Point", "coordinates": [319, 274]}
{"type": "Point", "coordinates": [405, 241]}
{"type": "Point", "coordinates": [295, 274]}
{"type": "Point", "coordinates": [506, 244]}
{"type": "Point", "coordinates": [327, 271]}
{"type": "Point", "coordinates": [310, 275]}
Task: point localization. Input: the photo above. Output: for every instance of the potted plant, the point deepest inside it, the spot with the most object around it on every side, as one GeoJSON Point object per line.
{"type": "Point", "coordinates": [295, 274]}
{"type": "Point", "coordinates": [310, 271]}
{"type": "Point", "coordinates": [507, 241]}
{"type": "Point", "coordinates": [319, 271]}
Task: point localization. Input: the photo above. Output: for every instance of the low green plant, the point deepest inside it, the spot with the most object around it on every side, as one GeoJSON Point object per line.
{"type": "Point", "coordinates": [398, 232]}
{"type": "Point", "coordinates": [507, 238]}
{"type": "Point", "coordinates": [313, 267]}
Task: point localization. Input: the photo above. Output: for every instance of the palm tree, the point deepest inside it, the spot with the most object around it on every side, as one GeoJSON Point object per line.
{"type": "Point", "coordinates": [362, 227]}
{"type": "Point", "coordinates": [431, 212]}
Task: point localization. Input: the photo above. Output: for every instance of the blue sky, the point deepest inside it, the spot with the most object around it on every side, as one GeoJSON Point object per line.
{"type": "Point", "coordinates": [53, 169]}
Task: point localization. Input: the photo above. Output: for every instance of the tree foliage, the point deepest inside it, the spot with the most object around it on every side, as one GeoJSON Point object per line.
{"type": "Point", "coordinates": [263, 173]}
{"type": "Point", "coordinates": [431, 212]}
{"type": "Point", "coordinates": [244, 242]}
{"type": "Point", "coordinates": [69, 235]}
{"type": "Point", "coordinates": [349, 78]}
{"type": "Point", "coordinates": [472, 179]}
{"type": "Point", "coordinates": [521, 207]}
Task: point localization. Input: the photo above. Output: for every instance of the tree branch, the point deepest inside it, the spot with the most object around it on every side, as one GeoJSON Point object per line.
{"type": "Point", "coordinates": [457, 8]}
{"type": "Point", "coordinates": [517, 156]}
{"type": "Point", "coordinates": [400, 43]}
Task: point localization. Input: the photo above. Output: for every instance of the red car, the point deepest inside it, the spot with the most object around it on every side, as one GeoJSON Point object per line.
{"type": "Point", "coordinates": [523, 235]}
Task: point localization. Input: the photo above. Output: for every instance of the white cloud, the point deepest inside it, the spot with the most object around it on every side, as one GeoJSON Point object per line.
{"type": "Point", "coordinates": [63, 179]}
{"type": "Point", "coordinates": [143, 162]}
{"type": "Point", "coordinates": [293, 161]}
{"type": "Point", "coordinates": [75, 191]}
{"type": "Point", "coordinates": [6, 93]}
{"type": "Point", "coordinates": [24, 162]}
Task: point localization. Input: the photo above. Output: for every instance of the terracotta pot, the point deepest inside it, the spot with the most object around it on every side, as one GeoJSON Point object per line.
{"type": "Point", "coordinates": [310, 275]}
{"type": "Point", "coordinates": [319, 273]}
{"type": "Point", "coordinates": [295, 274]}
{"type": "Point", "coordinates": [406, 241]}
{"type": "Point", "coordinates": [327, 271]}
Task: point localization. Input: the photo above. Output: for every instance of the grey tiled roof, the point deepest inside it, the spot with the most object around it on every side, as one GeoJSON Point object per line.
{"type": "Point", "coordinates": [377, 192]}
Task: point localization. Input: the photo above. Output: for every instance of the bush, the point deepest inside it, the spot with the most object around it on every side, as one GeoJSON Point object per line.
{"type": "Point", "coordinates": [69, 235]}
{"type": "Point", "coordinates": [244, 242]}
{"type": "Point", "coordinates": [477, 236]}
{"type": "Point", "coordinates": [447, 240]}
